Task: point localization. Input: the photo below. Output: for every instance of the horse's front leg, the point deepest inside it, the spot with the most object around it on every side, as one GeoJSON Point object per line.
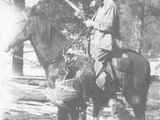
{"type": "Point", "coordinates": [83, 111]}
{"type": "Point", "coordinates": [62, 114]}
{"type": "Point", "coordinates": [96, 109]}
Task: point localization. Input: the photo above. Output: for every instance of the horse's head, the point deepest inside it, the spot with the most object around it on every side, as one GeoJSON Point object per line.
{"type": "Point", "coordinates": [70, 65]}
{"type": "Point", "coordinates": [56, 70]}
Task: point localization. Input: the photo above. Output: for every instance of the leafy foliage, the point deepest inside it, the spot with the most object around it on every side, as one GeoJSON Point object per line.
{"type": "Point", "coordinates": [139, 21]}
{"type": "Point", "coordinates": [147, 13]}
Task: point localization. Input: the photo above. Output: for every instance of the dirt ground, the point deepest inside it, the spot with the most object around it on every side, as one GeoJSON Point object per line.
{"type": "Point", "coordinates": [37, 110]}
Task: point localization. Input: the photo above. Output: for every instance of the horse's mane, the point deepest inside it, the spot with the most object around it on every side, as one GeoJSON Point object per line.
{"type": "Point", "coordinates": [110, 54]}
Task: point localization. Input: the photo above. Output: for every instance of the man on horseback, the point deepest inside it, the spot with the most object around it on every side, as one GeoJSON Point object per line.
{"type": "Point", "coordinates": [106, 35]}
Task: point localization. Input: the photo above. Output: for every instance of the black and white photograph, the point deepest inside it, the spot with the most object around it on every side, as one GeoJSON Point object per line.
{"type": "Point", "coordinates": [80, 60]}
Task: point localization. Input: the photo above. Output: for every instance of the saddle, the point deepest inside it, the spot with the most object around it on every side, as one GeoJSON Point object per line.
{"type": "Point", "coordinates": [118, 58]}
{"type": "Point", "coordinates": [117, 64]}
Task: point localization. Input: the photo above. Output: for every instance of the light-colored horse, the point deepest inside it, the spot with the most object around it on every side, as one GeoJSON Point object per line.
{"type": "Point", "coordinates": [47, 41]}
{"type": "Point", "coordinates": [45, 38]}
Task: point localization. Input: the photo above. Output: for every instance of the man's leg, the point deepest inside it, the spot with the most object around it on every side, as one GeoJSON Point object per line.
{"type": "Point", "coordinates": [101, 75]}
{"type": "Point", "coordinates": [97, 44]}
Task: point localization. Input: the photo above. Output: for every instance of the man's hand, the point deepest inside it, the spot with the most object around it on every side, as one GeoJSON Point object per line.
{"type": "Point", "coordinates": [89, 23]}
{"type": "Point", "coordinates": [80, 14]}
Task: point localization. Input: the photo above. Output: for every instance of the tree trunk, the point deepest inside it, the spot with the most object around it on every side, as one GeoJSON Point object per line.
{"type": "Point", "coordinates": [17, 60]}
{"type": "Point", "coordinates": [17, 63]}
{"type": "Point", "coordinates": [141, 41]}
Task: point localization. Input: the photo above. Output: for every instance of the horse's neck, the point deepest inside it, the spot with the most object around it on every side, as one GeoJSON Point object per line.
{"type": "Point", "coordinates": [125, 50]}
{"type": "Point", "coordinates": [46, 41]}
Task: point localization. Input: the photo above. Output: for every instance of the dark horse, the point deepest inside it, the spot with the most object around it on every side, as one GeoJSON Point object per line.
{"type": "Point", "coordinates": [129, 71]}
{"type": "Point", "coordinates": [126, 70]}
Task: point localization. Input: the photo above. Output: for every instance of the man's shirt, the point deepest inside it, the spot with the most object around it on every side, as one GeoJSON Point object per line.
{"type": "Point", "coordinates": [107, 19]}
